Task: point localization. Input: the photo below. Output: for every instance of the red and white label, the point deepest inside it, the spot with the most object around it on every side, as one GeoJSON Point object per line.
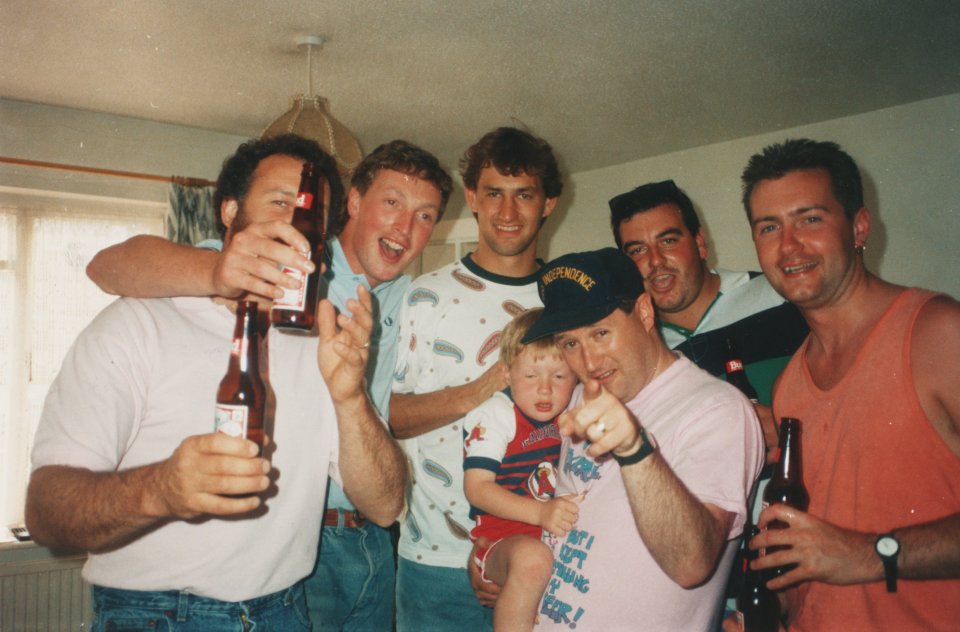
{"type": "Point", "coordinates": [293, 300]}
{"type": "Point", "coordinates": [231, 419]}
{"type": "Point", "coordinates": [734, 365]}
{"type": "Point", "coordinates": [304, 199]}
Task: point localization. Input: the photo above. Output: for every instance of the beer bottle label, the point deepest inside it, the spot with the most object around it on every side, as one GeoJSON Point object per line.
{"type": "Point", "coordinates": [738, 620]}
{"type": "Point", "coordinates": [238, 347]}
{"type": "Point", "coordinates": [734, 365]}
{"type": "Point", "coordinates": [293, 300]}
{"type": "Point", "coordinates": [763, 505]}
{"type": "Point", "coordinates": [304, 199]}
{"type": "Point", "coordinates": [231, 419]}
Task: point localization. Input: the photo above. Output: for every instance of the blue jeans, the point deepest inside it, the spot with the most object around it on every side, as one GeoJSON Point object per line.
{"type": "Point", "coordinates": [351, 587]}
{"type": "Point", "coordinates": [438, 599]}
{"type": "Point", "coordinates": [118, 610]}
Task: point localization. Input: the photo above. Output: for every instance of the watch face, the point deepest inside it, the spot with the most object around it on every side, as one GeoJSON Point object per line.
{"type": "Point", "coordinates": [887, 546]}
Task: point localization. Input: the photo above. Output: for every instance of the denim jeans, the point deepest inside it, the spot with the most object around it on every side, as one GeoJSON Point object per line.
{"type": "Point", "coordinates": [117, 610]}
{"type": "Point", "coordinates": [351, 587]}
{"type": "Point", "coordinates": [438, 599]}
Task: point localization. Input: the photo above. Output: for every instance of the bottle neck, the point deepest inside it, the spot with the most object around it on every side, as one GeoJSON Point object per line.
{"type": "Point", "coordinates": [788, 465]}
{"type": "Point", "coordinates": [245, 350]}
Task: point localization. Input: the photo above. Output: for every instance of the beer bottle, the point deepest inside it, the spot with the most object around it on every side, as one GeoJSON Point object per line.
{"type": "Point", "coordinates": [296, 310]}
{"type": "Point", "coordinates": [786, 486]}
{"type": "Point", "coordinates": [736, 374]}
{"type": "Point", "coordinates": [241, 396]}
{"type": "Point", "coordinates": [758, 608]}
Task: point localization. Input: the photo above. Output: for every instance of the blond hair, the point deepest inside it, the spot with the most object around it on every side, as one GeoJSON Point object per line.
{"type": "Point", "coordinates": [516, 329]}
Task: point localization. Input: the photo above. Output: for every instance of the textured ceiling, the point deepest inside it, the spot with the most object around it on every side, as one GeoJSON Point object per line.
{"type": "Point", "coordinates": [604, 82]}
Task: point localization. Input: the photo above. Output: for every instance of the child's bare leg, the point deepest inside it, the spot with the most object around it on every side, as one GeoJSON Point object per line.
{"type": "Point", "coordinates": [523, 566]}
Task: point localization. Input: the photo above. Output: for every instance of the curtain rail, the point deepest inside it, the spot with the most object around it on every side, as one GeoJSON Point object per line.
{"type": "Point", "coordinates": [189, 182]}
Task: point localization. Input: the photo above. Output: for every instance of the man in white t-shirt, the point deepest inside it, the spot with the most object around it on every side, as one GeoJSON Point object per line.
{"type": "Point", "coordinates": [660, 455]}
{"type": "Point", "coordinates": [189, 527]}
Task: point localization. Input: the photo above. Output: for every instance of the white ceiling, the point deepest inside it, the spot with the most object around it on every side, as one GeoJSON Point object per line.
{"type": "Point", "coordinates": [604, 81]}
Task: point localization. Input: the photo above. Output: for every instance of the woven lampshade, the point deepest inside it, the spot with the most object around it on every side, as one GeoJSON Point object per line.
{"type": "Point", "coordinates": [309, 116]}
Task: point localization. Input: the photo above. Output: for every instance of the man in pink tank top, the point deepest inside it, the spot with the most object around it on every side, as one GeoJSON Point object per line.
{"type": "Point", "coordinates": [876, 388]}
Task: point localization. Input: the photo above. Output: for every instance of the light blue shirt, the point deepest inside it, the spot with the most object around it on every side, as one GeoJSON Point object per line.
{"type": "Point", "coordinates": [341, 285]}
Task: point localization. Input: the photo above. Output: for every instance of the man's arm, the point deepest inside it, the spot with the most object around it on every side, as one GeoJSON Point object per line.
{"type": "Point", "coordinates": [412, 415]}
{"type": "Point", "coordinates": [93, 511]}
{"type": "Point", "coordinates": [149, 267]}
{"type": "Point", "coordinates": [826, 553]}
{"type": "Point", "coordinates": [684, 535]}
{"type": "Point", "coordinates": [372, 465]}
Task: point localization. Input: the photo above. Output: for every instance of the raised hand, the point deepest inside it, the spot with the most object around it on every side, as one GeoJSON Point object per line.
{"type": "Point", "coordinates": [602, 419]}
{"type": "Point", "coordinates": [345, 345]}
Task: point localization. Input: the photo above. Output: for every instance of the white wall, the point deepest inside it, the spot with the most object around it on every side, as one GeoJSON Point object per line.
{"type": "Point", "coordinates": [910, 158]}
{"type": "Point", "coordinates": [52, 134]}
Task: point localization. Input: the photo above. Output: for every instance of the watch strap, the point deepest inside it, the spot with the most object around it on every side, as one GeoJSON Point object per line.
{"type": "Point", "coordinates": [646, 449]}
{"type": "Point", "coordinates": [890, 570]}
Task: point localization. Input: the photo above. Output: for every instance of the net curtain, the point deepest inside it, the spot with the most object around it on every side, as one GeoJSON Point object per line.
{"type": "Point", "coordinates": [192, 217]}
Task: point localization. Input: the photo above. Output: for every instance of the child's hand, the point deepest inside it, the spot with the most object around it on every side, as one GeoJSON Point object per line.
{"type": "Point", "coordinates": [558, 515]}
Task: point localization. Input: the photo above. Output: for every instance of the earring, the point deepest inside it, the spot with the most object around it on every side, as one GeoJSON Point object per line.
{"type": "Point", "coordinates": [859, 248]}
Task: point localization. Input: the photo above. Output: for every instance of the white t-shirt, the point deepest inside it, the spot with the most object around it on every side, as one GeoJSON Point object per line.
{"type": "Point", "coordinates": [141, 378]}
{"type": "Point", "coordinates": [450, 328]}
{"type": "Point", "coordinates": [604, 576]}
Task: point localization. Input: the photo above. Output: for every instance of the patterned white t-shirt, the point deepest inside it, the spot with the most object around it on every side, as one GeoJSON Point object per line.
{"type": "Point", "coordinates": [450, 327]}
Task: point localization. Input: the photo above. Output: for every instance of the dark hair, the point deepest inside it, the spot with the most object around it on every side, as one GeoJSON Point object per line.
{"type": "Point", "coordinates": [776, 161]}
{"type": "Point", "coordinates": [405, 157]}
{"type": "Point", "coordinates": [237, 172]}
{"type": "Point", "coordinates": [646, 197]}
{"type": "Point", "coordinates": [513, 152]}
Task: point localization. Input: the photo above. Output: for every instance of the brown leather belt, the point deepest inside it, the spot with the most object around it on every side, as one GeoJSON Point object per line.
{"type": "Point", "coordinates": [351, 519]}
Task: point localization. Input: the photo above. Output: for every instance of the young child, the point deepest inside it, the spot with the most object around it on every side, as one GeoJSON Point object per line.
{"type": "Point", "coordinates": [511, 448]}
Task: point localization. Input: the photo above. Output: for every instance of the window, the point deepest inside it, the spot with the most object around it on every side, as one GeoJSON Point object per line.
{"type": "Point", "coordinates": [46, 241]}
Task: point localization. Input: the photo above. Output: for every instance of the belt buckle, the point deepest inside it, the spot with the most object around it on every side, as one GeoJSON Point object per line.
{"type": "Point", "coordinates": [359, 519]}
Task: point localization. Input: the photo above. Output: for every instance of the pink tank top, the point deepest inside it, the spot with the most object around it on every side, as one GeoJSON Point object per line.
{"type": "Point", "coordinates": [873, 462]}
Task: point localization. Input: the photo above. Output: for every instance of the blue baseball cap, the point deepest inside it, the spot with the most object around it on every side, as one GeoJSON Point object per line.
{"type": "Point", "coordinates": [582, 288]}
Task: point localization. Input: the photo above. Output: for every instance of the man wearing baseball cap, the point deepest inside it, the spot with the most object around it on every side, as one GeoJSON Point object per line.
{"type": "Point", "coordinates": [661, 454]}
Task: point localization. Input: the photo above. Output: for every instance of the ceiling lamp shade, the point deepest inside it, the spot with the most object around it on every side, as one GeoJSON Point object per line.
{"type": "Point", "coordinates": [309, 116]}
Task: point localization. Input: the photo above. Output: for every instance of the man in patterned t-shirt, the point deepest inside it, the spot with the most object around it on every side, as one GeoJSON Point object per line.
{"type": "Point", "coordinates": [446, 365]}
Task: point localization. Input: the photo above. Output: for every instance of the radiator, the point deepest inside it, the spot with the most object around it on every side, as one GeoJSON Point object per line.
{"type": "Point", "coordinates": [42, 591]}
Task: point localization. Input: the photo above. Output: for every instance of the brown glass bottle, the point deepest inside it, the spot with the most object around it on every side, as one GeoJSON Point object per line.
{"type": "Point", "coordinates": [241, 396]}
{"type": "Point", "coordinates": [296, 310]}
{"type": "Point", "coordinates": [758, 607]}
{"type": "Point", "coordinates": [736, 374]}
{"type": "Point", "coordinates": [786, 486]}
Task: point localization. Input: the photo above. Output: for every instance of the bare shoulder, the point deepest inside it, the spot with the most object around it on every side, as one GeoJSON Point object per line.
{"type": "Point", "coordinates": [935, 355]}
{"type": "Point", "coordinates": [936, 333]}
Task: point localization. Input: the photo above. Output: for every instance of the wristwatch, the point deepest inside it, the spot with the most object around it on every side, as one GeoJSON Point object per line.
{"type": "Point", "coordinates": [646, 449]}
{"type": "Point", "coordinates": [887, 547]}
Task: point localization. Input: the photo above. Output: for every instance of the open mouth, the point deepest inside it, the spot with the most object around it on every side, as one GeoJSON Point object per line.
{"type": "Point", "coordinates": [798, 269]}
{"type": "Point", "coordinates": [392, 249]}
{"type": "Point", "coordinates": [660, 282]}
